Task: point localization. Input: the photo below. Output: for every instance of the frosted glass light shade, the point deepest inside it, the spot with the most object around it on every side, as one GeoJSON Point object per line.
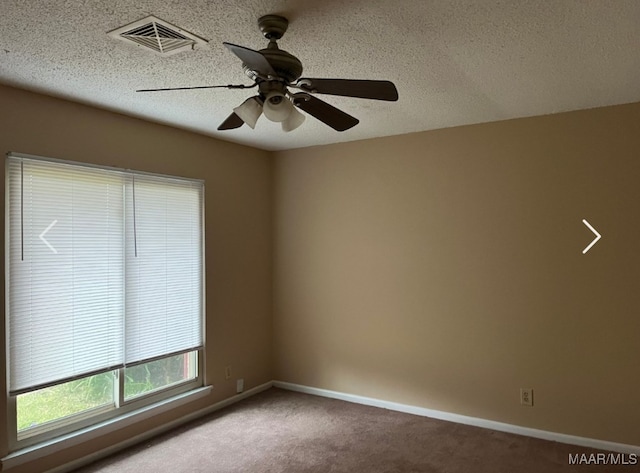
{"type": "Point", "coordinates": [277, 107]}
{"type": "Point", "coordinates": [249, 111]}
{"type": "Point", "coordinates": [294, 120]}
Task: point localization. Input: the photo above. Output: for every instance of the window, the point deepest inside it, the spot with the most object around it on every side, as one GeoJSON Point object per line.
{"type": "Point", "coordinates": [104, 294]}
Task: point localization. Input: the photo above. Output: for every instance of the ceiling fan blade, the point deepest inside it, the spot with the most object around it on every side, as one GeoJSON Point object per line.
{"type": "Point", "coordinates": [254, 60]}
{"type": "Point", "coordinates": [364, 89]}
{"type": "Point", "coordinates": [328, 114]}
{"type": "Point", "coordinates": [230, 86]}
{"type": "Point", "coordinates": [232, 121]}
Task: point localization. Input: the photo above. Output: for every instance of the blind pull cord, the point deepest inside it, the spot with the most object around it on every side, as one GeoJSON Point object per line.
{"type": "Point", "coordinates": [135, 235]}
{"type": "Point", "coordinates": [21, 210]}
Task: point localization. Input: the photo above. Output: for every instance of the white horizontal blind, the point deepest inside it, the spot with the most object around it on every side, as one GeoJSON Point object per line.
{"type": "Point", "coordinates": [104, 269]}
{"type": "Point", "coordinates": [163, 267]}
{"type": "Point", "coordinates": [65, 271]}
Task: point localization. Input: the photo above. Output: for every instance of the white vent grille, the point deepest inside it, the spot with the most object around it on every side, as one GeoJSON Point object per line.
{"type": "Point", "coordinates": [157, 35]}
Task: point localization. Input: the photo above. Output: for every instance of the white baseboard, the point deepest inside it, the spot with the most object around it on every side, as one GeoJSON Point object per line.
{"type": "Point", "coordinates": [460, 419]}
{"type": "Point", "coordinates": [159, 430]}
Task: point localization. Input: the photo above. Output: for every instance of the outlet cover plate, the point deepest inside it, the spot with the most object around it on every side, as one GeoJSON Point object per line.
{"type": "Point", "coordinates": [526, 396]}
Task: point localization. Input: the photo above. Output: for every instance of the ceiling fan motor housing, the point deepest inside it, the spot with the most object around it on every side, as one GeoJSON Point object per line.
{"type": "Point", "coordinates": [287, 66]}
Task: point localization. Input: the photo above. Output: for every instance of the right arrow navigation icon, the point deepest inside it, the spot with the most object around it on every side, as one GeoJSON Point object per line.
{"type": "Point", "coordinates": [595, 240]}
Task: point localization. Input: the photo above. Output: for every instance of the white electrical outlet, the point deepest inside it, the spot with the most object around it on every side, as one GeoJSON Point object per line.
{"type": "Point", "coordinates": [240, 385]}
{"type": "Point", "coordinates": [526, 397]}
{"type": "Point", "coordinates": [227, 372]}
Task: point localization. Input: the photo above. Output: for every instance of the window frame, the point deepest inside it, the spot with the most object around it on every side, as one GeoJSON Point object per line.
{"type": "Point", "coordinates": [97, 417]}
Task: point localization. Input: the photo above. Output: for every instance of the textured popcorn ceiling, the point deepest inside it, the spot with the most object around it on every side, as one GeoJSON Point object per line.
{"type": "Point", "coordinates": [454, 62]}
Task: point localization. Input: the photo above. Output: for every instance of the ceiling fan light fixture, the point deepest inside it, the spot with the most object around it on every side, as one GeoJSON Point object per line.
{"type": "Point", "coordinates": [293, 121]}
{"type": "Point", "coordinates": [277, 107]}
{"type": "Point", "coordinates": [249, 111]}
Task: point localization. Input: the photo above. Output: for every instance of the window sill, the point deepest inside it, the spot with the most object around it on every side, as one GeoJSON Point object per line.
{"type": "Point", "coordinates": [86, 434]}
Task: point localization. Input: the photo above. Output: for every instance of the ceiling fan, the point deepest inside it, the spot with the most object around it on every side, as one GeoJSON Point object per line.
{"type": "Point", "coordinates": [274, 71]}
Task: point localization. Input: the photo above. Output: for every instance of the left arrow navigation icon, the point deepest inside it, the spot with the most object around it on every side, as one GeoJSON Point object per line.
{"type": "Point", "coordinates": [44, 233]}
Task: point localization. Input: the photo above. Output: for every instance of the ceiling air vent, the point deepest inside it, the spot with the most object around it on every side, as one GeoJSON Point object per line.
{"type": "Point", "coordinates": [157, 35]}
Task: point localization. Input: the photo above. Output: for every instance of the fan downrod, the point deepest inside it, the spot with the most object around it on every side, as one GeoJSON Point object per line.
{"type": "Point", "coordinates": [273, 26]}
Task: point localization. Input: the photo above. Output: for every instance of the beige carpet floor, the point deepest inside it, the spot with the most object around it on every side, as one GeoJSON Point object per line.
{"type": "Point", "coordinates": [283, 431]}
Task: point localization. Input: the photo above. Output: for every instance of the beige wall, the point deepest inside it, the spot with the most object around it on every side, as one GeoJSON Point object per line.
{"type": "Point", "coordinates": [444, 269]}
{"type": "Point", "coordinates": [238, 229]}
